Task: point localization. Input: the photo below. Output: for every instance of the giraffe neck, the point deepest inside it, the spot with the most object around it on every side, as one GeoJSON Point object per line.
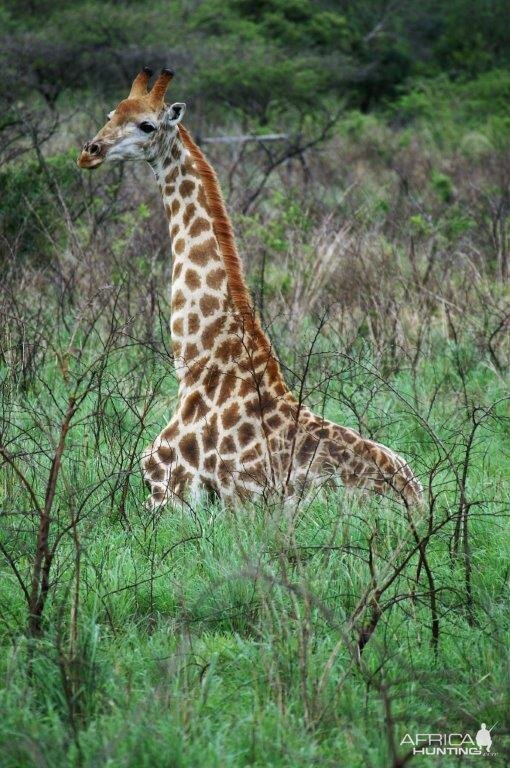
{"type": "Point", "coordinates": [212, 316]}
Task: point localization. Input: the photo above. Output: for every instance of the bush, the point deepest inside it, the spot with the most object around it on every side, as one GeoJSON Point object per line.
{"type": "Point", "coordinates": [31, 214]}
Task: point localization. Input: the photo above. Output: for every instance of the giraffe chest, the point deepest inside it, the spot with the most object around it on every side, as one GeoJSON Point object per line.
{"type": "Point", "coordinates": [209, 446]}
{"type": "Point", "coordinates": [225, 448]}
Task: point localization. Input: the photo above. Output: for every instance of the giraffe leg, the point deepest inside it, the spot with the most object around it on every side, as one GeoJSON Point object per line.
{"type": "Point", "coordinates": [326, 447]}
{"type": "Point", "coordinates": [169, 491]}
{"type": "Point", "coordinates": [366, 464]}
{"type": "Point", "coordinates": [166, 477]}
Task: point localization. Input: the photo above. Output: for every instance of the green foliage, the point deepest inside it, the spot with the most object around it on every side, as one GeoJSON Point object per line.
{"type": "Point", "coordinates": [474, 36]}
{"type": "Point", "coordinates": [295, 24]}
{"type": "Point", "coordinates": [250, 55]}
{"type": "Point", "coordinates": [455, 106]}
{"type": "Point", "coordinates": [443, 186]}
{"type": "Point", "coordinates": [31, 214]}
{"type": "Point", "coordinates": [419, 225]}
{"type": "Point", "coordinates": [183, 652]}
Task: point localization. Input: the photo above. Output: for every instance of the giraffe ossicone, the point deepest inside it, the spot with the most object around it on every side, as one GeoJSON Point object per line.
{"type": "Point", "coordinates": [237, 430]}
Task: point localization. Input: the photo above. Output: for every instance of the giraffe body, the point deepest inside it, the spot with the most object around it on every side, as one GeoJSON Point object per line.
{"type": "Point", "coordinates": [237, 431]}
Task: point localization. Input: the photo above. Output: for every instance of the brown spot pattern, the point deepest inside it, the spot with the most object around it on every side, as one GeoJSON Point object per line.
{"type": "Point", "coordinates": [228, 385]}
{"type": "Point", "coordinates": [166, 453]}
{"type": "Point", "coordinates": [177, 326]}
{"type": "Point", "coordinates": [247, 387]}
{"type": "Point", "coordinates": [274, 421]}
{"type": "Point", "coordinates": [192, 279]}
{"type": "Point", "coordinates": [193, 322]}
{"type": "Point", "coordinates": [199, 225]}
{"type": "Point", "coordinates": [190, 352]}
{"type": "Point", "coordinates": [228, 445]}
{"type": "Point", "coordinates": [246, 433]}
{"type": "Point", "coordinates": [170, 432]}
{"type": "Point", "coordinates": [193, 408]}
{"type": "Point", "coordinates": [204, 252]}
{"type": "Point", "coordinates": [252, 454]}
{"type": "Point", "coordinates": [186, 188]}
{"type": "Point", "coordinates": [215, 278]}
{"type": "Point", "coordinates": [188, 214]}
{"type": "Point", "coordinates": [211, 380]}
{"type": "Point", "coordinates": [260, 405]}
{"type": "Point", "coordinates": [178, 300]}
{"type": "Point", "coordinates": [210, 462]}
{"type": "Point", "coordinates": [209, 305]}
{"type": "Point", "coordinates": [180, 477]}
{"type": "Point", "coordinates": [230, 416]}
{"type": "Point", "coordinates": [151, 464]}
{"type": "Point", "coordinates": [188, 447]}
{"type": "Point", "coordinates": [211, 333]}
{"type": "Point", "coordinates": [179, 245]}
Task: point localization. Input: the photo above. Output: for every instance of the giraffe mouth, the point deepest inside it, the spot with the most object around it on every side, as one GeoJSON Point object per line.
{"type": "Point", "coordinates": [87, 161]}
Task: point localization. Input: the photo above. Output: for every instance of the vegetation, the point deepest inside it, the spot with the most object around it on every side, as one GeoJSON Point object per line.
{"type": "Point", "coordinates": [375, 236]}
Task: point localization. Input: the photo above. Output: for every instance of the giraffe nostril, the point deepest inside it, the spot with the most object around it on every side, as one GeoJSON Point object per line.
{"type": "Point", "coordinates": [93, 149]}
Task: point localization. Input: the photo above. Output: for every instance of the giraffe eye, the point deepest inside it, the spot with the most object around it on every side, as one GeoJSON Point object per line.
{"type": "Point", "coordinates": [147, 127]}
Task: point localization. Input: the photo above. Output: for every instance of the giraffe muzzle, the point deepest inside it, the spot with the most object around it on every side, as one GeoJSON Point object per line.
{"type": "Point", "coordinates": [91, 155]}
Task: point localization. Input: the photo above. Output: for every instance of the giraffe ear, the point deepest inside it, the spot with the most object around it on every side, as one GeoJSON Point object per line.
{"type": "Point", "coordinates": [174, 114]}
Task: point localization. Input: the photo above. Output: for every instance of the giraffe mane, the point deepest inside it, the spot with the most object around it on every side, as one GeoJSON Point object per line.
{"type": "Point", "coordinates": [224, 234]}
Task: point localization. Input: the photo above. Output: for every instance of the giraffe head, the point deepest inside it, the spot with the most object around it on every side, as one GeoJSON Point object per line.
{"type": "Point", "coordinates": [139, 127]}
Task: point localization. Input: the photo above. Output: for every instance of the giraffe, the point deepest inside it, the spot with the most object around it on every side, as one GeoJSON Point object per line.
{"type": "Point", "coordinates": [237, 432]}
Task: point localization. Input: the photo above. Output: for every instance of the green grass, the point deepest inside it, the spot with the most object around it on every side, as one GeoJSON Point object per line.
{"type": "Point", "coordinates": [225, 638]}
